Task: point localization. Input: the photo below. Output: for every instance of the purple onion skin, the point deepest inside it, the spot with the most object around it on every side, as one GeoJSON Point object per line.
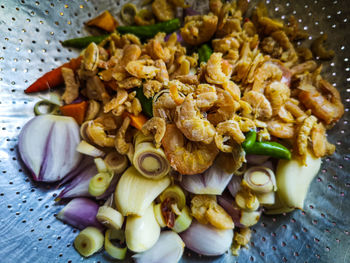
{"type": "Point", "coordinates": [80, 213]}
{"type": "Point", "coordinates": [179, 37]}
{"type": "Point", "coordinates": [269, 164]}
{"type": "Point", "coordinates": [47, 145]}
{"type": "Point", "coordinates": [207, 240]}
{"type": "Point", "coordinates": [256, 159]}
{"type": "Point", "coordinates": [111, 188]}
{"type": "Point", "coordinates": [85, 162]}
{"type": "Point", "coordinates": [213, 181]}
{"type": "Point", "coordinates": [234, 185]}
{"type": "Point", "coordinates": [21, 149]}
{"type": "Point", "coordinates": [190, 12]}
{"type": "Point", "coordinates": [227, 203]}
{"type": "Point", "coordinates": [79, 186]}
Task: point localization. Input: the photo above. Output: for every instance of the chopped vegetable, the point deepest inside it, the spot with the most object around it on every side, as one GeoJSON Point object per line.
{"type": "Point", "coordinates": [204, 53]}
{"type": "Point", "coordinates": [83, 42]}
{"type": "Point", "coordinates": [213, 181]}
{"type": "Point", "coordinates": [128, 13]}
{"type": "Point", "coordinates": [112, 250]}
{"type": "Point", "coordinates": [110, 217]}
{"type": "Point", "coordinates": [47, 147]}
{"type": "Point", "coordinates": [53, 78]}
{"type": "Point", "coordinates": [99, 183]}
{"type": "Point", "coordinates": [175, 194]}
{"type": "Point", "coordinates": [134, 192]}
{"type": "Point", "coordinates": [260, 179]}
{"type": "Point", "coordinates": [80, 213]}
{"type": "Point", "coordinates": [150, 161]}
{"type": "Point", "coordinates": [116, 162]}
{"type": "Point", "coordinates": [206, 239]}
{"type": "Point", "coordinates": [151, 30]}
{"type": "Point", "coordinates": [76, 110]}
{"type": "Point", "coordinates": [136, 121]}
{"type": "Point", "coordinates": [183, 221]}
{"type": "Point", "coordinates": [247, 200]}
{"type": "Point", "coordinates": [88, 149]}
{"type": "Point", "coordinates": [101, 165]}
{"type": "Point", "coordinates": [158, 215]}
{"type": "Point", "coordinates": [104, 21]}
{"type": "Point", "coordinates": [272, 149]}
{"type": "Point", "coordinates": [51, 108]}
{"type": "Point", "coordinates": [146, 103]}
{"type": "Point", "coordinates": [89, 241]}
{"type": "Point", "coordinates": [79, 186]}
{"type": "Point", "coordinates": [169, 246]}
{"type": "Point", "coordinates": [144, 17]}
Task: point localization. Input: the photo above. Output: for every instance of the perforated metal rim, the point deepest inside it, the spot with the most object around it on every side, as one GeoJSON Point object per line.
{"type": "Point", "coordinates": [29, 45]}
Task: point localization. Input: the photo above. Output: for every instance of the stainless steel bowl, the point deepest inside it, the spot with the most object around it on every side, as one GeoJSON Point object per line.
{"type": "Point", "coordinates": [30, 32]}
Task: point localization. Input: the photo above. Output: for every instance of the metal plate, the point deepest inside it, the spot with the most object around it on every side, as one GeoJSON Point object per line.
{"type": "Point", "coordinates": [30, 32]}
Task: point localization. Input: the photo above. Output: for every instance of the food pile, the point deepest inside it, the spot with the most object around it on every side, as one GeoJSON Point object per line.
{"type": "Point", "coordinates": [181, 134]}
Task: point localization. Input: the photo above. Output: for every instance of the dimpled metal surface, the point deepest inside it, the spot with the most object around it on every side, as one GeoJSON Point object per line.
{"type": "Point", "coordinates": [30, 32]}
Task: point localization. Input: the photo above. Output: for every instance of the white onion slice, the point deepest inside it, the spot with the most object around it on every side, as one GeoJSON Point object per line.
{"type": "Point", "coordinates": [213, 181]}
{"type": "Point", "coordinates": [169, 248]}
{"type": "Point", "coordinates": [47, 147]}
{"type": "Point", "coordinates": [206, 239]}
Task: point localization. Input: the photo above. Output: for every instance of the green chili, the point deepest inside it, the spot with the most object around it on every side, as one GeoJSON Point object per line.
{"type": "Point", "coordinates": [146, 103]}
{"type": "Point", "coordinates": [250, 139]}
{"type": "Point", "coordinates": [83, 41]}
{"type": "Point", "coordinates": [272, 149]}
{"type": "Point", "coordinates": [151, 30]}
{"type": "Point", "coordinates": [204, 53]}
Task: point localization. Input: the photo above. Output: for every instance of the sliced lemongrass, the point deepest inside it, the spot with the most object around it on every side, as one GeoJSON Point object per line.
{"type": "Point", "coordinates": [110, 217]}
{"type": "Point", "coordinates": [140, 138]}
{"type": "Point", "coordinates": [99, 183]}
{"type": "Point", "coordinates": [116, 162]}
{"type": "Point", "coordinates": [260, 179]}
{"type": "Point", "coordinates": [266, 199]}
{"type": "Point", "coordinates": [128, 12]}
{"type": "Point", "coordinates": [100, 165]}
{"type": "Point", "coordinates": [88, 149]}
{"type": "Point", "coordinates": [158, 215]}
{"type": "Point", "coordinates": [89, 241]}
{"type": "Point", "coordinates": [176, 194]}
{"type": "Point", "coordinates": [150, 161]}
{"type": "Point", "coordinates": [50, 108]}
{"type": "Point", "coordinates": [249, 218]}
{"type": "Point", "coordinates": [183, 221]}
{"type": "Point", "coordinates": [112, 250]}
{"type": "Point", "coordinates": [247, 201]}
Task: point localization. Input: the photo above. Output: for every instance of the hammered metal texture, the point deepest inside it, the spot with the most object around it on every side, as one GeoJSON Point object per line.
{"type": "Point", "coordinates": [30, 32]}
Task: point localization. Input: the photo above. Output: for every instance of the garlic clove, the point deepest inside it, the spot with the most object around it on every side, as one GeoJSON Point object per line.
{"type": "Point", "coordinates": [142, 232]}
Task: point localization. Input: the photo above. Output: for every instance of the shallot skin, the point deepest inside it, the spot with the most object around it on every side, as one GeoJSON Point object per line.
{"type": "Point", "coordinates": [47, 147]}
